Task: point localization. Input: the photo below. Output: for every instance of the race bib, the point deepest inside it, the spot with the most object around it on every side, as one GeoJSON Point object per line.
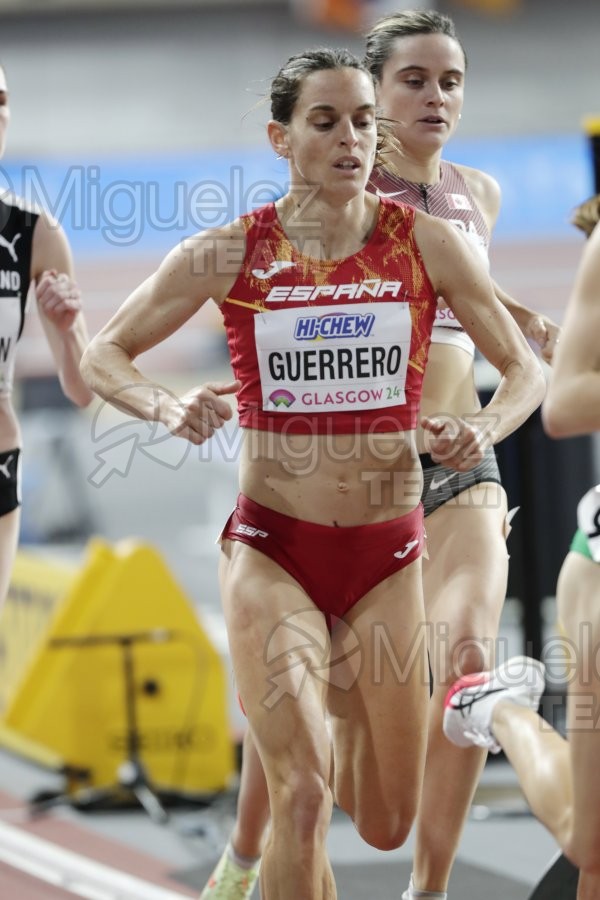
{"type": "Point", "coordinates": [324, 359]}
{"type": "Point", "coordinates": [10, 318]}
{"type": "Point", "coordinates": [444, 316]}
{"type": "Point", "coordinates": [588, 520]}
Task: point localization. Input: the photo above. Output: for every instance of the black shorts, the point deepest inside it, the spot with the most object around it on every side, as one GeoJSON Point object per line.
{"type": "Point", "coordinates": [10, 481]}
{"type": "Point", "coordinates": [441, 483]}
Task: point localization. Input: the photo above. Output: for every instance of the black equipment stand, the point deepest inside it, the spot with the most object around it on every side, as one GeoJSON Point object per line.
{"type": "Point", "coordinates": [132, 779]}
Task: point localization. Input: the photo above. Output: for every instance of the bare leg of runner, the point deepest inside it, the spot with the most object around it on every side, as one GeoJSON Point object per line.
{"type": "Point", "coordinates": [465, 586]}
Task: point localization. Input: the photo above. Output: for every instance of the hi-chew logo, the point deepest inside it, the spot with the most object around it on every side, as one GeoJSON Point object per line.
{"type": "Point", "coordinates": [334, 325]}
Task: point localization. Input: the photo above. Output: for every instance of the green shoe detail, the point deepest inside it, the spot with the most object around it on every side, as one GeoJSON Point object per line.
{"type": "Point", "coordinates": [229, 881]}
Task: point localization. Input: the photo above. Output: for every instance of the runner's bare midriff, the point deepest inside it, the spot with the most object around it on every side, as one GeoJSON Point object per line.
{"type": "Point", "coordinates": [358, 479]}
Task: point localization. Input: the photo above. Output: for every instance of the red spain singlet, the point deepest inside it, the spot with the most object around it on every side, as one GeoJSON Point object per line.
{"type": "Point", "coordinates": [330, 346]}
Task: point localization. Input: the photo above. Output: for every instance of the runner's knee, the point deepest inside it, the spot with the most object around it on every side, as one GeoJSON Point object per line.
{"type": "Point", "coordinates": [386, 830]}
{"type": "Point", "coordinates": [305, 800]}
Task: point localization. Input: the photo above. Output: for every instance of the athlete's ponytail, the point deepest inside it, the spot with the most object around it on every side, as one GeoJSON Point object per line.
{"type": "Point", "coordinates": [586, 215]}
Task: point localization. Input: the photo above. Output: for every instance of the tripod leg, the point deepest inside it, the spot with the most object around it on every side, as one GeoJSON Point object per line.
{"type": "Point", "coordinates": [151, 803]}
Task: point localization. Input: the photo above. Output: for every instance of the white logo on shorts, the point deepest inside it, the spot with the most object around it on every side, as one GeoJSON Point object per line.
{"type": "Point", "coordinates": [400, 554]}
{"type": "Point", "coordinates": [4, 467]}
{"type": "Point", "coordinates": [251, 531]}
{"type": "Point", "coordinates": [438, 482]}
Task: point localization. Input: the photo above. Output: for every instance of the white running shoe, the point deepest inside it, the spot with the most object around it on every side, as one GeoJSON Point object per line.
{"type": "Point", "coordinates": [470, 702]}
{"type": "Point", "coordinates": [230, 881]}
{"type": "Point", "coordinates": [412, 893]}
